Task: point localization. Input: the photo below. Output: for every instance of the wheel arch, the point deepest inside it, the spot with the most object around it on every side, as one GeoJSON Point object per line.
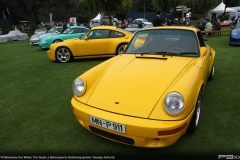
{"type": "Point", "coordinates": [72, 57]}
{"type": "Point", "coordinates": [122, 43]}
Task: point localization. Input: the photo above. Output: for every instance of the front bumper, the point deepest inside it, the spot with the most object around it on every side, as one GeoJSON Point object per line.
{"type": "Point", "coordinates": [34, 42]}
{"type": "Point", "coordinates": [234, 41]}
{"type": "Point", "coordinates": [51, 55]}
{"type": "Point", "coordinates": [139, 132]}
{"type": "Point", "coordinates": [44, 45]}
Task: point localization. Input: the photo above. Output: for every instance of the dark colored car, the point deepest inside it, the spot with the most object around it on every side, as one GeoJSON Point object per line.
{"type": "Point", "coordinates": [201, 25]}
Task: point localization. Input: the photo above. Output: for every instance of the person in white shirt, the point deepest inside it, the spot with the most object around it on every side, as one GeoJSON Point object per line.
{"type": "Point", "coordinates": [208, 26]}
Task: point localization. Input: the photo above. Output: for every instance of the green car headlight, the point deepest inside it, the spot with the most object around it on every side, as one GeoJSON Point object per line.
{"type": "Point", "coordinates": [174, 103]}
{"type": "Point", "coordinates": [79, 86]}
{"type": "Point", "coordinates": [234, 32]}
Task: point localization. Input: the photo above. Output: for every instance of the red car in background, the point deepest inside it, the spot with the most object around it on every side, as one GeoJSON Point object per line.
{"type": "Point", "coordinates": [226, 23]}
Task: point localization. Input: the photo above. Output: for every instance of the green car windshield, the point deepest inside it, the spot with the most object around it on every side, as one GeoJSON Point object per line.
{"type": "Point", "coordinates": [67, 30]}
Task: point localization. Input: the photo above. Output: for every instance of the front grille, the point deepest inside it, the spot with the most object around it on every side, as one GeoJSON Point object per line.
{"type": "Point", "coordinates": [112, 136]}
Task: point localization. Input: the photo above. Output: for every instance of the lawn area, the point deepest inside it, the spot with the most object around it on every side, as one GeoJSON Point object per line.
{"type": "Point", "coordinates": [36, 117]}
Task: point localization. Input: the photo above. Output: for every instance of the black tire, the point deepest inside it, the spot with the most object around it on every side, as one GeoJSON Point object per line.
{"type": "Point", "coordinates": [63, 55]}
{"type": "Point", "coordinates": [210, 77]}
{"type": "Point", "coordinates": [196, 115]}
{"type": "Point", "coordinates": [120, 48]}
{"type": "Point", "coordinates": [57, 41]}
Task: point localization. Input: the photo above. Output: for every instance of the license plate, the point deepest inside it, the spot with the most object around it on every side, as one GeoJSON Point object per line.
{"type": "Point", "coordinates": [108, 124]}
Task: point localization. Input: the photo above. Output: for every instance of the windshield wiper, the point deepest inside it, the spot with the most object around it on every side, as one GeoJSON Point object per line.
{"type": "Point", "coordinates": [186, 53]}
{"type": "Point", "coordinates": [158, 53]}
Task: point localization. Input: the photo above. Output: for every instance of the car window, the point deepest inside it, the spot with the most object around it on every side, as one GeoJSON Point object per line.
{"type": "Point", "coordinates": [238, 25]}
{"type": "Point", "coordinates": [59, 29]}
{"type": "Point", "coordinates": [77, 30]}
{"type": "Point", "coordinates": [165, 41]}
{"type": "Point", "coordinates": [96, 34]}
{"type": "Point", "coordinates": [85, 30]}
{"type": "Point", "coordinates": [52, 30]}
{"type": "Point", "coordinates": [201, 39]}
{"type": "Point", "coordinates": [115, 34]}
{"type": "Point", "coordinates": [67, 30]}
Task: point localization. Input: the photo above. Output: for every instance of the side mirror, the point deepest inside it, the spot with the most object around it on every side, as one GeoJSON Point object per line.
{"type": "Point", "coordinates": [204, 38]}
{"type": "Point", "coordinates": [85, 38]}
{"type": "Point", "coordinates": [203, 51]}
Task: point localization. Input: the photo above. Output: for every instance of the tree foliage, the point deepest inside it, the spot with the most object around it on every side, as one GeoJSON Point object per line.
{"type": "Point", "coordinates": [36, 11]}
{"type": "Point", "coordinates": [195, 5]}
{"type": "Point", "coordinates": [107, 6]}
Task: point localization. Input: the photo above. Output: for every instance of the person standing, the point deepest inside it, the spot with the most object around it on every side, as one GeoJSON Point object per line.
{"type": "Point", "coordinates": [167, 22]}
{"type": "Point", "coordinates": [68, 23]}
{"type": "Point", "coordinates": [64, 25]}
{"type": "Point", "coordinates": [157, 21]}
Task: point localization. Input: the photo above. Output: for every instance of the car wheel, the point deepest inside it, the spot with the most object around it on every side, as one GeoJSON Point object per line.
{"type": "Point", "coordinates": [63, 55]}
{"type": "Point", "coordinates": [196, 115]}
{"type": "Point", "coordinates": [211, 74]}
{"type": "Point", "coordinates": [120, 48]}
{"type": "Point", "coordinates": [57, 41]}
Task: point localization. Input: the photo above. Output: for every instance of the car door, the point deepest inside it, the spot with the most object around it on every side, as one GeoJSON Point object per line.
{"type": "Point", "coordinates": [94, 43]}
{"type": "Point", "coordinates": [206, 59]}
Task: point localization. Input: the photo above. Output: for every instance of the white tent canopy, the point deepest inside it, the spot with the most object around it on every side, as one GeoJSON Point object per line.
{"type": "Point", "coordinates": [221, 8]}
{"type": "Point", "coordinates": [98, 17]}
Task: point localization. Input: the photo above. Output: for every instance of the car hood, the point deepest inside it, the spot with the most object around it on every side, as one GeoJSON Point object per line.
{"type": "Point", "coordinates": [38, 36]}
{"type": "Point", "coordinates": [133, 85]}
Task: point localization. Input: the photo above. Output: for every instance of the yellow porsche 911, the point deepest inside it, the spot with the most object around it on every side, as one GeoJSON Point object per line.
{"type": "Point", "coordinates": [100, 41]}
{"type": "Point", "coordinates": [151, 94]}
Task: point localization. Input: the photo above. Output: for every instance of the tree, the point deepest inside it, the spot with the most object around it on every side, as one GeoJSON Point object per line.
{"type": "Point", "coordinates": [195, 5]}
{"type": "Point", "coordinates": [24, 8]}
{"type": "Point", "coordinates": [144, 5]}
{"type": "Point", "coordinates": [107, 6]}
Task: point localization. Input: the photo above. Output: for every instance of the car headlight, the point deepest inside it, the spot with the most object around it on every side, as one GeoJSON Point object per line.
{"type": "Point", "coordinates": [234, 32]}
{"type": "Point", "coordinates": [79, 86]}
{"type": "Point", "coordinates": [174, 103]}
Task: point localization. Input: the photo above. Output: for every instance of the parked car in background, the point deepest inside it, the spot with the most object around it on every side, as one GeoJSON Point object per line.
{"type": "Point", "coordinates": [235, 35]}
{"type": "Point", "coordinates": [142, 20]}
{"type": "Point", "coordinates": [68, 33]}
{"type": "Point", "coordinates": [151, 94]}
{"type": "Point", "coordinates": [101, 41]}
{"type": "Point", "coordinates": [34, 39]}
{"type": "Point", "coordinates": [227, 23]}
{"type": "Point", "coordinates": [40, 31]}
{"type": "Point", "coordinates": [201, 25]}
{"type": "Point", "coordinates": [14, 35]}
{"type": "Point", "coordinates": [136, 26]}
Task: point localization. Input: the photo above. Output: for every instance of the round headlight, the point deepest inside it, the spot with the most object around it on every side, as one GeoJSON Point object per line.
{"type": "Point", "coordinates": [234, 32]}
{"type": "Point", "coordinates": [174, 103]}
{"type": "Point", "coordinates": [79, 87]}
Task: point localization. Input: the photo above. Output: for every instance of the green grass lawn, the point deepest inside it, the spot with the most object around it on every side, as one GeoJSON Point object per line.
{"type": "Point", "coordinates": [36, 116]}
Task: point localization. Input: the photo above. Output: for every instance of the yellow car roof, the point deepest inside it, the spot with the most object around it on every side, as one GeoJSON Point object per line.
{"type": "Point", "coordinates": [191, 28]}
{"type": "Point", "coordinates": [104, 27]}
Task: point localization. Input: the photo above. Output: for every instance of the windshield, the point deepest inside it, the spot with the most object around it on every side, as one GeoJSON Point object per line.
{"type": "Point", "coordinates": [67, 30]}
{"type": "Point", "coordinates": [238, 25]}
{"type": "Point", "coordinates": [164, 41]}
{"type": "Point", "coordinates": [52, 30]}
